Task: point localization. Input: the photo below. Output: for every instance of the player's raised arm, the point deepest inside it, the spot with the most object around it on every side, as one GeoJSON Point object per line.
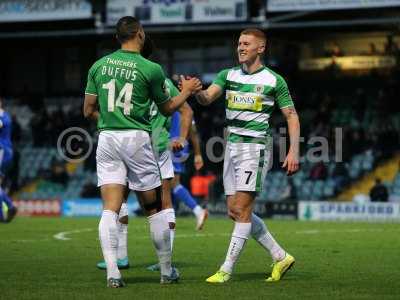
{"type": "Point", "coordinates": [214, 91]}
{"type": "Point", "coordinates": [189, 86]}
{"type": "Point", "coordinates": [162, 98]}
{"type": "Point", "coordinates": [208, 96]}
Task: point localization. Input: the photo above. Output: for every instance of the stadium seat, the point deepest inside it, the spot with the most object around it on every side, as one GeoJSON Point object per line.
{"type": "Point", "coordinates": [354, 173]}
{"type": "Point", "coordinates": [328, 192]}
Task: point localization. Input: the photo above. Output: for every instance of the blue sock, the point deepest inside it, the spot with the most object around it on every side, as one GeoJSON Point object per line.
{"type": "Point", "coordinates": [175, 202]}
{"type": "Point", "coordinates": [6, 199]}
{"type": "Point", "coordinates": [182, 194]}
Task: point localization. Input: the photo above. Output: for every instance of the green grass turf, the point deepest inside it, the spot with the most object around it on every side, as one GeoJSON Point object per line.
{"type": "Point", "coordinates": [334, 261]}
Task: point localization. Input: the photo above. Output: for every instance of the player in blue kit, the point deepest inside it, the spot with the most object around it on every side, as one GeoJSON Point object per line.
{"type": "Point", "coordinates": [180, 192]}
{"type": "Point", "coordinates": [7, 208]}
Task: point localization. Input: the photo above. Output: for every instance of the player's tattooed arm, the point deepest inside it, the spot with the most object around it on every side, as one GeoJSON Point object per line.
{"type": "Point", "coordinates": [290, 112]}
{"type": "Point", "coordinates": [291, 163]}
{"type": "Point", "coordinates": [90, 108]}
{"type": "Point", "coordinates": [206, 97]}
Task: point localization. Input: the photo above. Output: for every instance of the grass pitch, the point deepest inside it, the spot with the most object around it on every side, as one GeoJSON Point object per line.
{"type": "Point", "coordinates": [333, 261]}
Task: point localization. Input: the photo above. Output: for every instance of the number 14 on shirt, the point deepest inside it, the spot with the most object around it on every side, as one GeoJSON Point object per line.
{"type": "Point", "coordinates": [126, 93]}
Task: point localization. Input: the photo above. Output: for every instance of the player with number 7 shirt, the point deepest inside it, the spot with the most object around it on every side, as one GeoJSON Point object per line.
{"type": "Point", "coordinates": [251, 92]}
{"type": "Point", "coordinates": [118, 92]}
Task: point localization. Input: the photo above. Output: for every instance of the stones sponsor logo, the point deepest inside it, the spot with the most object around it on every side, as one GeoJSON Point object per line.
{"type": "Point", "coordinates": [244, 101]}
{"type": "Point", "coordinates": [250, 100]}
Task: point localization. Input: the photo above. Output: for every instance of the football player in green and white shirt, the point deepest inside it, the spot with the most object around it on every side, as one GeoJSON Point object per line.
{"type": "Point", "coordinates": [118, 93]}
{"type": "Point", "coordinates": [251, 93]}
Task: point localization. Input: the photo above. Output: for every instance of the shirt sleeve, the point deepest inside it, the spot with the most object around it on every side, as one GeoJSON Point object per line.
{"type": "Point", "coordinates": [173, 91]}
{"type": "Point", "coordinates": [221, 78]}
{"type": "Point", "coordinates": [282, 95]}
{"type": "Point", "coordinates": [158, 85]}
{"type": "Point", "coordinates": [91, 88]}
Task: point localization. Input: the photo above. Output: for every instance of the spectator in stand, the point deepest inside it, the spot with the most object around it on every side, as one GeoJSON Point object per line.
{"type": "Point", "coordinates": [391, 47]}
{"type": "Point", "coordinates": [340, 175]}
{"type": "Point", "coordinates": [372, 49]}
{"type": "Point", "coordinates": [58, 121]}
{"type": "Point", "coordinates": [256, 9]}
{"type": "Point", "coordinates": [325, 110]}
{"type": "Point", "coordinates": [90, 190]}
{"type": "Point", "coordinates": [319, 172]}
{"type": "Point", "coordinates": [16, 130]}
{"type": "Point", "coordinates": [41, 126]}
{"type": "Point", "coordinates": [357, 139]}
{"type": "Point", "coordinates": [59, 173]}
{"type": "Point", "coordinates": [360, 104]}
{"type": "Point", "coordinates": [289, 192]}
{"type": "Point", "coordinates": [387, 140]}
{"type": "Point", "coordinates": [335, 51]}
{"type": "Point", "coordinates": [379, 192]}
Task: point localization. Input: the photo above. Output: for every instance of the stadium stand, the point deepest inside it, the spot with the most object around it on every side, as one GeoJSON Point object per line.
{"type": "Point", "coordinates": [40, 162]}
{"type": "Point", "coordinates": [361, 101]}
{"type": "Point", "coordinates": [341, 61]}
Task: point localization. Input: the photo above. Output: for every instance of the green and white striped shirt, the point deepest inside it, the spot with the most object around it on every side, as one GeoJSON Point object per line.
{"type": "Point", "coordinates": [250, 100]}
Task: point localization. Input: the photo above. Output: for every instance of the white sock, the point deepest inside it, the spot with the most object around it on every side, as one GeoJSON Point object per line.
{"type": "Point", "coordinates": [161, 236]}
{"type": "Point", "coordinates": [240, 234]}
{"type": "Point", "coordinates": [122, 251]}
{"type": "Point", "coordinates": [261, 234]}
{"type": "Point", "coordinates": [170, 213]}
{"type": "Point", "coordinates": [108, 233]}
{"type": "Point", "coordinates": [197, 211]}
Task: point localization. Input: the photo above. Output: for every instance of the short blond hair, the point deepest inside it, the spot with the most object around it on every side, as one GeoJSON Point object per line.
{"type": "Point", "coordinates": [255, 32]}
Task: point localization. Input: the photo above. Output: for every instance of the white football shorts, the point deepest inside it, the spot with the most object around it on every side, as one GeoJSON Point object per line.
{"type": "Point", "coordinates": [165, 164]}
{"type": "Point", "coordinates": [245, 167]}
{"type": "Point", "coordinates": [127, 156]}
